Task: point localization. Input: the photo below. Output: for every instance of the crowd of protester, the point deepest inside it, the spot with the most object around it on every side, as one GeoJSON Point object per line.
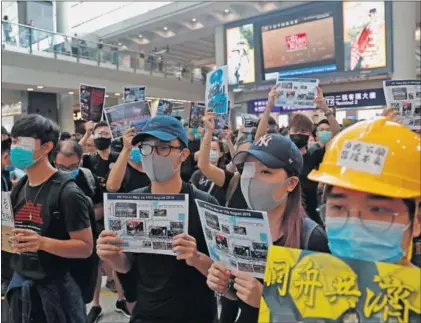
{"type": "Point", "coordinates": [62, 250]}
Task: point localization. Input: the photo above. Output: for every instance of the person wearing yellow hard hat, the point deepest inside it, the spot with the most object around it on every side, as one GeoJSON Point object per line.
{"type": "Point", "coordinates": [373, 188]}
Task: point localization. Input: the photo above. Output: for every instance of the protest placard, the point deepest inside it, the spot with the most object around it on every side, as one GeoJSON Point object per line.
{"type": "Point", "coordinates": [306, 286]}
{"type": "Point", "coordinates": [91, 102]}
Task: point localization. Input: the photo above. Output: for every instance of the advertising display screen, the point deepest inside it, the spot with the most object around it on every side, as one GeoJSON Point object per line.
{"type": "Point", "coordinates": [364, 27]}
{"type": "Point", "coordinates": [240, 54]}
{"type": "Point", "coordinates": [327, 39]}
{"type": "Point", "coordinates": [299, 41]}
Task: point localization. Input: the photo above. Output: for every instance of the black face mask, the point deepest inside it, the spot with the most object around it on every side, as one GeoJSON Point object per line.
{"type": "Point", "coordinates": [300, 140]}
{"type": "Point", "coordinates": [102, 143]}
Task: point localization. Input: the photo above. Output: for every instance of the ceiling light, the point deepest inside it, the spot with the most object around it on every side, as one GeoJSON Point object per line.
{"type": "Point", "coordinates": [226, 10]}
{"type": "Point", "coordinates": [30, 89]}
{"type": "Point", "coordinates": [40, 87]}
{"type": "Point", "coordinates": [119, 44]}
{"type": "Point", "coordinates": [165, 28]}
{"type": "Point", "coordinates": [140, 36]}
{"type": "Point", "coordinates": [71, 92]}
{"type": "Point", "coordinates": [194, 20]}
{"type": "Point", "coordinates": [117, 94]}
{"type": "Point", "coordinates": [106, 95]}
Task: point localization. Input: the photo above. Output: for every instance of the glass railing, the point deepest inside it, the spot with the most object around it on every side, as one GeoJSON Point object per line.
{"type": "Point", "coordinates": [35, 41]}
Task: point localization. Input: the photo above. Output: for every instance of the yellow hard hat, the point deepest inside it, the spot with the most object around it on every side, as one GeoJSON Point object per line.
{"type": "Point", "coordinates": [376, 156]}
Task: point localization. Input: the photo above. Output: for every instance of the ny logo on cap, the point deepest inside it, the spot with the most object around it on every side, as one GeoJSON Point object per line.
{"type": "Point", "coordinates": [264, 141]}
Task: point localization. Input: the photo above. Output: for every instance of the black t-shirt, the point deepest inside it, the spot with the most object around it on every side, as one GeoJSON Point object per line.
{"type": "Point", "coordinates": [309, 188]}
{"type": "Point", "coordinates": [133, 179]}
{"type": "Point", "coordinates": [317, 242]}
{"type": "Point", "coordinates": [168, 290]}
{"type": "Point", "coordinates": [31, 213]}
{"type": "Point", "coordinates": [100, 167]}
{"type": "Point", "coordinates": [189, 165]}
{"type": "Point", "coordinates": [97, 195]}
{"type": "Point", "coordinates": [204, 184]}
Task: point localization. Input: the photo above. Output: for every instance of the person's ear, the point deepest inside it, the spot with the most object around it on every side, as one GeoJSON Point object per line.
{"type": "Point", "coordinates": [185, 154]}
{"type": "Point", "coordinates": [292, 183]}
{"type": "Point", "coordinates": [48, 147]}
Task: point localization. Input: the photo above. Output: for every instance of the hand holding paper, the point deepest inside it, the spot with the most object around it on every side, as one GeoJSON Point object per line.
{"type": "Point", "coordinates": [218, 278]}
{"type": "Point", "coordinates": [128, 137]}
{"type": "Point", "coordinates": [109, 246]}
{"type": "Point", "coordinates": [248, 288]}
{"type": "Point", "coordinates": [209, 120]}
{"type": "Point", "coordinates": [273, 95]}
{"type": "Point", "coordinates": [184, 246]}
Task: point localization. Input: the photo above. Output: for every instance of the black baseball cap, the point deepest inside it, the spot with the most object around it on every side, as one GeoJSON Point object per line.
{"type": "Point", "coordinates": [274, 151]}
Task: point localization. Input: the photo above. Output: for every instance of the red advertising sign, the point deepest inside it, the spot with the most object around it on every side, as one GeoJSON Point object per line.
{"type": "Point", "coordinates": [296, 42]}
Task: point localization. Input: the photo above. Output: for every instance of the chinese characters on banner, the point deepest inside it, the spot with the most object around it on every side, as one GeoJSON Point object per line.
{"type": "Point", "coordinates": [305, 286]}
{"type": "Point", "coordinates": [405, 96]}
{"type": "Point", "coordinates": [91, 102]}
{"type": "Point", "coordinates": [216, 95]}
{"type": "Point", "coordinates": [355, 99]}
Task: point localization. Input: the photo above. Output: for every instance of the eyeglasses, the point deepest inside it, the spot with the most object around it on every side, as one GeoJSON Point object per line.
{"type": "Point", "coordinates": [64, 168]}
{"type": "Point", "coordinates": [368, 216]}
{"type": "Point", "coordinates": [162, 149]}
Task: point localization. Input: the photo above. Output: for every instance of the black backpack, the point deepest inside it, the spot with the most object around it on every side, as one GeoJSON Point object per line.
{"type": "Point", "coordinates": [83, 271]}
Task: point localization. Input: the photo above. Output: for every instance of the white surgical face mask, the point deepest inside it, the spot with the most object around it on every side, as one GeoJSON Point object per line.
{"type": "Point", "coordinates": [213, 156]}
{"type": "Point", "coordinates": [257, 193]}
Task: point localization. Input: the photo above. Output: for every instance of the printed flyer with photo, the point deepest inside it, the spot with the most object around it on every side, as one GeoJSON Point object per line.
{"type": "Point", "coordinates": [123, 116]}
{"type": "Point", "coordinates": [197, 112]}
{"type": "Point", "coordinates": [91, 102]}
{"type": "Point", "coordinates": [164, 108]}
{"type": "Point", "coordinates": [147, 223]}
{"type": "Point", "coordinates": [239, 239]}
{"type": "Point", "coordinates": [221, 122]}
{"type": "Point", "coordinates": [134, 94]}
{"type": "Point", "coordinates": [405, 96]}
{"type": "Point", "coordinates": [250, 121]}
{"type": "Point", "coordinates": [216, 95]}
{"type": "Point", "coordinates": [297, 93]}
{"type": "Point", "coordinates": [7, 222]}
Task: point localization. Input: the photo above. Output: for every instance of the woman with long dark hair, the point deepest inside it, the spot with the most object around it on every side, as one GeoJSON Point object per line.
{"type": "Point", "coordinates": [269, 182]}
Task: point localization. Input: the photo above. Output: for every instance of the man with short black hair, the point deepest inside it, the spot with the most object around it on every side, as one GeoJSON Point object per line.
{"type": "Point", "coordinates": [65, 136]}
{"type": "Point", "coordinates": [43, 243]}
{"type": "Point", "coordinates": [169, 289]}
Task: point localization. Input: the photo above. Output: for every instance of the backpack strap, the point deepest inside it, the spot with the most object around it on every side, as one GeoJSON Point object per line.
{"type": "Point", "coordinates": [232, 186]}
{"type": "Point", "coordinates": [16, 189]}
{"type": "Point", "coordinates": [201, 195]}
{"type": "Point", "coordinates": [308, 228]}
{"type": "Point", "coordinates": [89, 179]}
{"type": "Point", "coordinates": [59, 183]}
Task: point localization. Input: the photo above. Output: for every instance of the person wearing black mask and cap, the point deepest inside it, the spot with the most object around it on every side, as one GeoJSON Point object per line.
{"type": "Point", "coordinates": [101, 162]}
